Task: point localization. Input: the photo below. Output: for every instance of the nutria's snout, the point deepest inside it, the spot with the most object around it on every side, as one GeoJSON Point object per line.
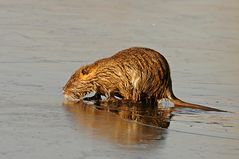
{"type": "Point", "coordinates": [68, 96]}
{"type": "Point", "coordinates": [76, 89]}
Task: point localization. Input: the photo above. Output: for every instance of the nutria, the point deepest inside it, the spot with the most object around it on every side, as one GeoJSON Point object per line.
{"type": "Point", "coordinates": [136, 74]}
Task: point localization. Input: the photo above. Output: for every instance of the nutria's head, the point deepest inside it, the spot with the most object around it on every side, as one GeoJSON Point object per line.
{"type": "Point", "coordinates": [80, 84]}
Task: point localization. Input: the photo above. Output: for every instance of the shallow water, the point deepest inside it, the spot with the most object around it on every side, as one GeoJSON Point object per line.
{"type": "Point", "coordinates": [43, 42]}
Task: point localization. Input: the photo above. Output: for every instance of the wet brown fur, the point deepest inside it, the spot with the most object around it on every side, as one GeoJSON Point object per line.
{"type": "Point", "coordinates": [135, 74]}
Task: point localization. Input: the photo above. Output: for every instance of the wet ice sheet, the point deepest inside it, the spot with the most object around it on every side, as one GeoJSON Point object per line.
{"type": "Point", "coordinates": [43, 42]}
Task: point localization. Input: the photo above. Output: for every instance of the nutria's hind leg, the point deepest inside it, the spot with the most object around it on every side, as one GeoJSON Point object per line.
{"type": "Point", "coordinates": [97, 96]}
{"type": "Point", "coordinates": [147, 100]}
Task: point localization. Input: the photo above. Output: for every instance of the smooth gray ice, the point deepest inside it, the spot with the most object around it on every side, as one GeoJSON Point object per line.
{"type": "Point", "coordinates": [42, 42]}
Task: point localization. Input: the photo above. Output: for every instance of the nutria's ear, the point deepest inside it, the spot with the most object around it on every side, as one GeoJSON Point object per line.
{"type": "Point", "coordinates": [85, 71]}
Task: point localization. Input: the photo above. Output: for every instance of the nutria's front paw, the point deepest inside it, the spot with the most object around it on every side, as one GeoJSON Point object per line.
{"type": "Point", "coordinates": [97, 96]}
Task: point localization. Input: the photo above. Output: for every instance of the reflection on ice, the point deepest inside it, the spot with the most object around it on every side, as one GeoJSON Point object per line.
{"type": "Point", "coordinates": [124, 123]}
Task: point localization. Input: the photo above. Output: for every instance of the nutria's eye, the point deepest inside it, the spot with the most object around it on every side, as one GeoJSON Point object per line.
{"type": "Point", "coordinates": [84, 72]}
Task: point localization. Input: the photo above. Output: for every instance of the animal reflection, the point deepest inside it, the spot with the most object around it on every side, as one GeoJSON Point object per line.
{"type": "Point", "coordinates": [124, 124]}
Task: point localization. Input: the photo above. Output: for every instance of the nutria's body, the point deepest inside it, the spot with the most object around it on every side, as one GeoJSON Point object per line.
{"type": "Point", "coordinates": [136, 74]}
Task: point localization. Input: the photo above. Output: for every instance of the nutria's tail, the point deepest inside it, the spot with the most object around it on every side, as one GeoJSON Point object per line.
{"type": "Point", "coordinates": [179, 103]}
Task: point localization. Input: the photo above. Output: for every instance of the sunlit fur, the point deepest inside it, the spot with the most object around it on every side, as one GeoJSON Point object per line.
{"type": "Point", "coordinates": [134, 73]}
